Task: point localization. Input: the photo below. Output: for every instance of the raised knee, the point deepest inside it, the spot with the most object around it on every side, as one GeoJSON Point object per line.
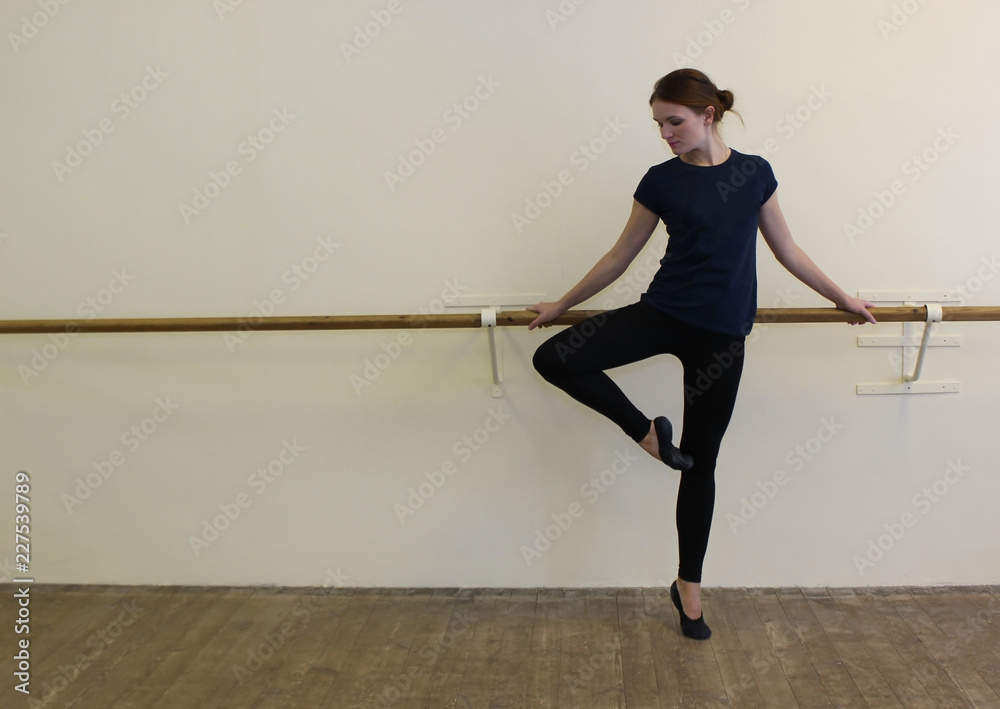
{"type": "Point", "coordinates": [543, 360]}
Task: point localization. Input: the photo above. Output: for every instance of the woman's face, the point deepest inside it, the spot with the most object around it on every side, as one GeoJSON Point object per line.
{"type": "Point", "coordinates": [683, 129]}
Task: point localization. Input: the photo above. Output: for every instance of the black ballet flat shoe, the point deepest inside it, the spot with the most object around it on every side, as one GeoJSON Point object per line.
{"type": "Point", "coordinates": [694, 629]}
{"type": "Point", "coordinates": [670, 454]}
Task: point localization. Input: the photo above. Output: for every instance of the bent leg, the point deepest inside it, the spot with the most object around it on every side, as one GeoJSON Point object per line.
{"type": "Point", "coordinates": [575, 359]}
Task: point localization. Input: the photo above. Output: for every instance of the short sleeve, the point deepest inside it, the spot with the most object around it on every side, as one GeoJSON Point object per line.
{"type": "Point", "coordinates": [646, 193]}
{"type": "Point", "coordinates": [769, 182]}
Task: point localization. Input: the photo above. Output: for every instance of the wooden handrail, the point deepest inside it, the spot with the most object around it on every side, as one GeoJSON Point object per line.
{"type": "Point", "coordinates": [511, 318]}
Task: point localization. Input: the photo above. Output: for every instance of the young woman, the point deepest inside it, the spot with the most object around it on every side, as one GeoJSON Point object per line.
{"type": "Point", "coordinates": [699, 306]}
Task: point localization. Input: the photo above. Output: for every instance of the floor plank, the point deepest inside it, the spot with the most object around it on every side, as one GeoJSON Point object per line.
{"type": "Point", "coordinates": [735, 665]}
{"type": "Point", "coordinates": [489, 611]}
{"type": "Point", "coordinates": [638, 672]}
{"type": "Point", "coordinates": [974, 663]}
{"type": "Point", "coordinates": [765, 666]}
{"type": "Point", "coordinates": [318, 614]}
{"type": "Point", "coordinates": [208, 612]}
{"type": "Point", "coordinates": [789, 653]}
{"type": "Point", "coordinates": [849, 647]}
{"type": "Point", "coordinates": [127, 662]}
{"type": "Point", "coordinates": [672, 674]}
{"type": "Point", "coordinates": [555, 648]}
{"type": "Point", "coordinates": [449, 651]}
{"type": "Point", "coordinates": [508, 683]}
{"type": "Point", "coordinates": [873, 630]}
{"type": "Point", "coordinates": [838, 686]}
{"type": "Point", "coordinates": [542, 673]}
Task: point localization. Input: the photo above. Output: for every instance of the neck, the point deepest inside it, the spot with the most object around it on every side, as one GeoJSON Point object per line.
{"type": "Point", "coordinates": [714, 153]}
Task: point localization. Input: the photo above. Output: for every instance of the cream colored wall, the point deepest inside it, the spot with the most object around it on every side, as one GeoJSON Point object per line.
{"type": "Point", "coordinates": [181, 424]}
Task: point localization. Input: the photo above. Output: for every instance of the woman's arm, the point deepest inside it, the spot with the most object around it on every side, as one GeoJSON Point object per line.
{"type": "Point", "coordinates": [640, 226]}
{"type": "Point", "coordinates": [779, 238]}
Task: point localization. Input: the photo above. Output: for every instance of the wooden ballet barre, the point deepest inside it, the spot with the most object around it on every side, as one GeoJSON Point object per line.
{"type": "Point", "coordinates": [513, 318]}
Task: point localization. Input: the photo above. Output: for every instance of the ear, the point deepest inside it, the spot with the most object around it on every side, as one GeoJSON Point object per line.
{"type": "Point", "coordinates": [709, 115]}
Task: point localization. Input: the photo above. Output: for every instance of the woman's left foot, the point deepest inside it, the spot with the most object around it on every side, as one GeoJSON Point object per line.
{"type": "Point", "coordinates": [670, 454]}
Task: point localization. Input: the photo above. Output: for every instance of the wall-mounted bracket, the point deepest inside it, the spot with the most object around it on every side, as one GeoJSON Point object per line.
{"type": "Point", "coordinates": [490, 306]}
{"type": "Point", "coordinates": [909, 384]}
{"type": "Point", "coordinates": [489, 318]}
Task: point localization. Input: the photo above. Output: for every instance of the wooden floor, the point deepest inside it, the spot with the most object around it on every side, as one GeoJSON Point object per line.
{"type": "Point", "coordinates": [180, 648]}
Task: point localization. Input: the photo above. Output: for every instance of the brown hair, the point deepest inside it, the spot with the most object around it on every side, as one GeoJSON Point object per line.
{"type": "Point", "coordinates": [691, 88]}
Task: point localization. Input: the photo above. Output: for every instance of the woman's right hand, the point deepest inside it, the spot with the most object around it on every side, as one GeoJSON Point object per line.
{"type": "Point", "coordinates": [546, 312]}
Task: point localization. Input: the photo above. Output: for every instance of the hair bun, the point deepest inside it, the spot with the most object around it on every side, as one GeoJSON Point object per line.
{"type": "Point", "coordinates": [726, 99]}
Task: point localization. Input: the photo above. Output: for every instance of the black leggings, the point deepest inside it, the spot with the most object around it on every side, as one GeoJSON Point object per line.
{"type": "Point", "coordinates": [575, 358]}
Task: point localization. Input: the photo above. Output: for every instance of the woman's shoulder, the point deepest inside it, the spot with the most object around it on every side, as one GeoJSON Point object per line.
{"type": "Point", "coordinates": [737, 156]}
{"type": "Point", "coordinates": [665, 168]}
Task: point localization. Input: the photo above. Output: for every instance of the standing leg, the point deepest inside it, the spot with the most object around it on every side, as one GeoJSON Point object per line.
{"type": "Point", "coordinates": [713, 365]}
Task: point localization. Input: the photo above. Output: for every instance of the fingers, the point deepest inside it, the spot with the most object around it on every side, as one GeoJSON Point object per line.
{"type": "Point", "coordinates": [534, 309]}
{"type": "Point", "coordinates": [863, 310]}
{"type": "Point", "coordinates": [871, 318]}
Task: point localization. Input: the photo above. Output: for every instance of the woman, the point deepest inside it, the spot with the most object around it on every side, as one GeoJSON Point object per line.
{"type": "Point", "coordinates": [699, 306]}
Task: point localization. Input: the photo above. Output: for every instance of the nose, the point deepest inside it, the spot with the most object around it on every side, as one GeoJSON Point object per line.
{"type": "Point", "coordinates": [666, 133]}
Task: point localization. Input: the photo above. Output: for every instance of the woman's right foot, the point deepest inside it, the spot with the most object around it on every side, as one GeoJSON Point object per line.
{"type": "Point", "coordinates": [697, 628]}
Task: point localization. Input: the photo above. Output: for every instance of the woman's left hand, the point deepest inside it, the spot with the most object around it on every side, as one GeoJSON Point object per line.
{"type": "Point", "coordinates": [856, 305]}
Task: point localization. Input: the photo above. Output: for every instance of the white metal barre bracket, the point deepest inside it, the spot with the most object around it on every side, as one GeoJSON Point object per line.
{"type": "Point", "coordinates": [489, 321]}
{"type": "Point", "coordinates": [909, 377]}
{"type": "Point", "coordinates": [490, 305]}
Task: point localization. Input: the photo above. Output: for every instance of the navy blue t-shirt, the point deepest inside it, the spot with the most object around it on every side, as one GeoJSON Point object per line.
{"type": "Point", "coordinates": [708, 276]}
